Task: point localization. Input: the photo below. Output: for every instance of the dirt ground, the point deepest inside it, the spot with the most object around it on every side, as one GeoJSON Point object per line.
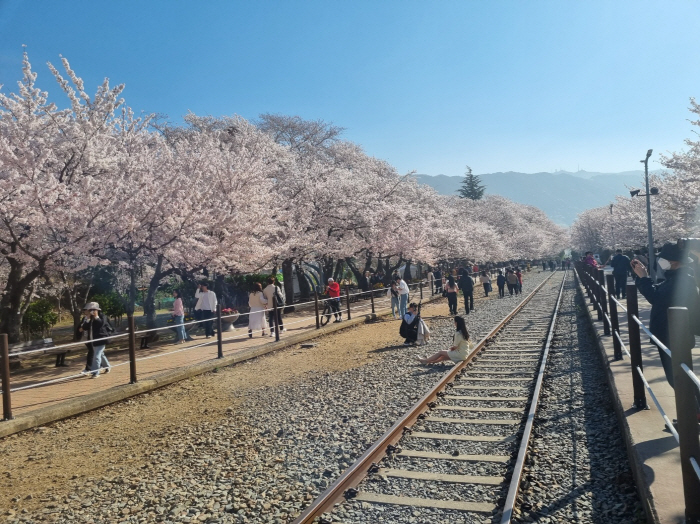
{"type": "Point", "coordinates": [38, 465]}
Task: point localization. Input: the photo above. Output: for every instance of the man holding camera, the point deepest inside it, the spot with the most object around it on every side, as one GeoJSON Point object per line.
{"type": "Point", "coordinates": [678, 290]}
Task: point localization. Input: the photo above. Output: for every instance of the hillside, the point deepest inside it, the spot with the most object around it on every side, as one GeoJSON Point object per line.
{"type": "Point", "coordinates": [561, 195]}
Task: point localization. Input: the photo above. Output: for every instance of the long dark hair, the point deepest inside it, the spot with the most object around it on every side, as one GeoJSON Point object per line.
{"type": "Point", "coordinates": [178, 293]}
{"type": "Point", "coordinates": [462, 327]}
{"type": "Point", "coordinates": [451, 281]}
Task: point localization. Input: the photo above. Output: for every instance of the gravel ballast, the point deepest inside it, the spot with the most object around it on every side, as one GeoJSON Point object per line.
{"type": "Point", "coordinates": [262, 460]}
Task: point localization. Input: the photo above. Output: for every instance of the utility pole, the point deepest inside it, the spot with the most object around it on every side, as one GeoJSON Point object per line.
{"type": "Point", "coordinates": [650, 239]}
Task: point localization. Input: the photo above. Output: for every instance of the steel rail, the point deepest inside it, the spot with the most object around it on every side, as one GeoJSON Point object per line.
{"type": "Point", "coordinates": [515, 479]}
{"type": "Point", "coordinates": [352, 476]}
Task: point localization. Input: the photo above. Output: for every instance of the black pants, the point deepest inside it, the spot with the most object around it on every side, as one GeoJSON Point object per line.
{"type": "Point", "coordinates": [452, 302]}
{"type": "Point", "coordinates": [271, 318]}
{"type": "Point", "coordinates": [209, 324]}
{"type": "Point", "coordinates": [501, 290]}
{"type": "Point", "coordinates": [335, 307]}
{"type": "Point", "coordinates": [487, 288]}
{"type": "Point", "coordinates": [620, 284]}
{"type": "Point", "coordinates": [469, 301]}
{"type": "Point", "coordinates": [511, 289]}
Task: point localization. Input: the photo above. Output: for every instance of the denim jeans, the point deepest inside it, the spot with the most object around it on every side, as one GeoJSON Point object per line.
{"type": "Point", "coordinates": [403, 303]}
{"type": "Point", "coordinates": [394, 305]}
{"type": "Point", "coordinates": [98, 359]}
{"type": "Point", "coordinates": [179, 328]}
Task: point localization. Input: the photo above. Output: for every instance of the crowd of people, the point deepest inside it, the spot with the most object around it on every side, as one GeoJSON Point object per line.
{"type": "Point", "coordinates": [261, 316]}
{"type": "Point", "coordinates": [675, 284]}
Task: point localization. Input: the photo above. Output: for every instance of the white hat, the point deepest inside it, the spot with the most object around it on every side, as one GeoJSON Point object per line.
{"type": "Point", "coordinates": [92, 305]}
{"type": "Point", "coordinates": [330, 280]}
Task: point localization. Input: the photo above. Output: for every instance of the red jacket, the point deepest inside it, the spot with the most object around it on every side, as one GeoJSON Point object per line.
{"type": "Point", "coordinates": [334, 290]}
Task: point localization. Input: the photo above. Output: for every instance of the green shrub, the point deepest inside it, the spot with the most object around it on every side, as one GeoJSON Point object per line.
{"type": "Point", "coordinates": [39, 319]}
{"type": "Point", "coordinates": [112, 304]}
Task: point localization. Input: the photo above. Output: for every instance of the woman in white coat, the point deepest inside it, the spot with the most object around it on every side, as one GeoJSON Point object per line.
{"type": "Point", "coordinates": [257, 303]}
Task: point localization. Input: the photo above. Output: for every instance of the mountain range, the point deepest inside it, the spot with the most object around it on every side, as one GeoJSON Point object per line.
{"type": "Point", "coordinates": [561, 195]}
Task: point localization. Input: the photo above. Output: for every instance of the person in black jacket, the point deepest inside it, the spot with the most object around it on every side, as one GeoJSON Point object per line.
{"type": "Point", "coordinates": [466, 284]}
{"type": "Point", "coordinates": [678, 290]}
{"type": "Point", "coordinates": [501, 283]}
{"type": "Point", "coordinates": [621, 267]}
{"type": "Point", "coordinates": [438, 280]}
{"type": "Point", "coordinates": [96, 327]}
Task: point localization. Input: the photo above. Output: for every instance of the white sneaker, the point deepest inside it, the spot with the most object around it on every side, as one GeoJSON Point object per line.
{"type": "Point", "coordinates": [95, 375]}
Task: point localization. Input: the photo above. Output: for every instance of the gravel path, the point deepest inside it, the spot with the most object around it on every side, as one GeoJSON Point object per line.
{"type": "Point", "coordinates": [578, 471]}
{"type": "Point", "coordinates": [260, 461]}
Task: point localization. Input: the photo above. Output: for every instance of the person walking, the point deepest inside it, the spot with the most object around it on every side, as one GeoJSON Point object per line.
{"type": "Point", "coordinates": [544, 265]}
{"type": "Point", "coordinates": [621, 268]}
{"type": "Point", "coordinates": [403, 296]}
{"type": "Point", "coordinates": [501, 283]}
{"type": "Point", "coordinates": [466, 283]}
{"type": "Point", "coordinates": [206, 305]}
{"type": "Point", "coordinates": [431, 281]}
{"type": "Point", "coordinates": [179, 318]}
{"type": "Point", "coordinates": [97, 328]}
{"type": "Point", "coordinates": [257, 303]}
{"type": "Point", "coordinates": [452, 288]}
{"type": "Point", "coordinates": [333, 292]}
{"type": "Point", "coordinates": [512, 281]}
{"type": "Point", "coordinates": [520, 281]}
{"type": "Point", "coordinates": [486, 282]}
{"type": "Point", "coordinates": [272, 292]}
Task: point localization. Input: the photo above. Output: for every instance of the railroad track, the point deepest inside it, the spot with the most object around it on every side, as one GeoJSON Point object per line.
{"type": "Point", "coordinates": [457, 455]}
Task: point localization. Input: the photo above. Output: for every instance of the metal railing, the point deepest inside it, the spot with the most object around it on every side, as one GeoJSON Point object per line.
{"type": "Point", "coordinates": [686, 383]}
{"type": "Point", "coordinates": [374, 296]}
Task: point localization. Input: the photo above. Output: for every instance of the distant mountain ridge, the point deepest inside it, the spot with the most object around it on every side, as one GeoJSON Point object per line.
{"type": "Point", "coordinates": [561, 195]}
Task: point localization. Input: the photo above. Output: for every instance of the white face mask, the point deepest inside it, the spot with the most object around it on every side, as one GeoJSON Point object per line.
{"type": "Point", "coordinates": [664, 264]}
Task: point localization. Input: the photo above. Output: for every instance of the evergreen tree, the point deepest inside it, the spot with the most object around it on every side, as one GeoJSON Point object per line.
{"type": "Point", "coordinates": [471, 186]}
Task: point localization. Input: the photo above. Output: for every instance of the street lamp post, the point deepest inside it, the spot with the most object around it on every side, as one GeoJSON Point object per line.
{"type": "Point", "coordinates": [650, 236]}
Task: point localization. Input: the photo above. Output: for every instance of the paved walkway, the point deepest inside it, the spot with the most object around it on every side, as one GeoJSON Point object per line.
{"type": "Point", "coordinates": [160, 357]}
{"type": "Point", "coordinates": [654, 451]}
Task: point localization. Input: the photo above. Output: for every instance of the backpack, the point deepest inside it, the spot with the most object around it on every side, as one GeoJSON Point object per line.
{"type": "Point", "coordinates": [279, 297]}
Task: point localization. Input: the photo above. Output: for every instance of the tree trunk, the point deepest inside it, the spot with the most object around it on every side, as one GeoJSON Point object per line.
{"type": "Point", "coordinates": [407, 271]}
{"type": "Point", "coordinates": [149, 303]}
{"type": "Point", "coordinates": [288, 276]}
{"type": "Point", "coordinates": [327, 264]}
{"type": "Point", "coordinates": [305, 290]}
{"type": "Point", "coordinates": [338, 273]}
{"type": "Point", "coordinates": [131, 297]}
{"type": "Point", "coordinates": [12, 307]}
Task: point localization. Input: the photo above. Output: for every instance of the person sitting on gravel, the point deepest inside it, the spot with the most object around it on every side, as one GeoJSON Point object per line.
{"type": "Point", "coordinates": [460, 349]}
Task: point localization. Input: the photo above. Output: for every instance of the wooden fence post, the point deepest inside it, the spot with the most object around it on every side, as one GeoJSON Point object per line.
{"type": "Point", "coordinates": [5, 372]}
{"type": "Point", "coordinates": [276, 323]}
{"type": "Point", "coordinates": [132, 348]}
{"type": "Point", "coordinates": [640, 397]}
{"type": "Point", "coordinates": [614, 320]}
{"type": "Point", "coordinates": [318, 319]}
{"type": "Point", "coordinates": [682, 341]}
{"type": "Point", "coordinates": [347, 298]}
{"type": "Point", "coordinates": [603, 301]}
{"type": "Point", "coordinates": [219, 344]}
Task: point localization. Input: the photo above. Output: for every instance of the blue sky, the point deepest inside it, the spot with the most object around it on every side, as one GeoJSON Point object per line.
{"type": "Point", "coordinates": [431, 86]}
